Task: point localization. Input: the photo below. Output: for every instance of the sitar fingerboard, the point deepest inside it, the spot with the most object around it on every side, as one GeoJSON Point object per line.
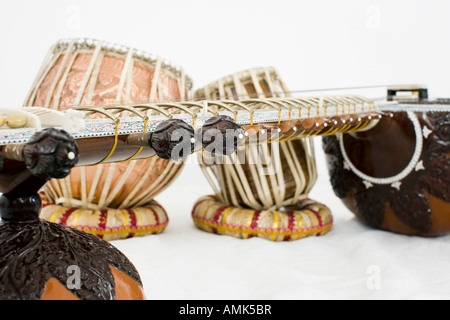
{"type": "Point", "coordinates": [293, 118]}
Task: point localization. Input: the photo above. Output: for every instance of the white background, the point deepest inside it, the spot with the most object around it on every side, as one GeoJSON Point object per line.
{"type": "Point", "coordinates": [313, 44]}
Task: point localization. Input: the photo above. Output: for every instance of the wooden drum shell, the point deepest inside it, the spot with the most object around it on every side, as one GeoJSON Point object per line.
{"type": "Point", "coordinates": [248, 183]}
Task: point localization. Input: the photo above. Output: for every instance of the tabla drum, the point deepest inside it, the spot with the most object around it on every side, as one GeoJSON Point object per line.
{"type": "Point", "coordinates": [396, 176]}
{"type": "Point", "coordinates": [267, 199]}
{"type": "Point", "coordinates": [114, 200]}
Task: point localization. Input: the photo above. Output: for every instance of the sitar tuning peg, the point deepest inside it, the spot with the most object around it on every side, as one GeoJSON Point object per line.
{"type": "Point", "coordinates": [173, 139]}
{"type": "Point", "coordinates": [220, 135]}
{"type": "Point", "coordinates": [51, 153]}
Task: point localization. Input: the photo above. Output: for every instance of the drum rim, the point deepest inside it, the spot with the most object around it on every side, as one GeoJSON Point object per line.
{"type": "Point", "coordinates": [115, 48]}
{"type": "Point", "coordinates": [229, 78]}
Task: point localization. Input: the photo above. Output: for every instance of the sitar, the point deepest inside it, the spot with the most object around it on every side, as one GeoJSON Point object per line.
{"type": "Point", "coordinates": [373, 146]}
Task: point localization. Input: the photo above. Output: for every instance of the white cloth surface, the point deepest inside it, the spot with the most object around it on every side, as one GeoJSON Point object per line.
{"type": "Point", "coordinates": [352, 261]}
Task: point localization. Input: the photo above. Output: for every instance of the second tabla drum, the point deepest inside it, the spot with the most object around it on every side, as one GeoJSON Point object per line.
{"type": "Point", "coordinates": [252, 198]}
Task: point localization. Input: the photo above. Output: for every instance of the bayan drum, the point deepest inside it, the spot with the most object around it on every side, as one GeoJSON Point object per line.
{"type": "Point", "coordinates": [114, 200]}
{"type": "Point", "coordinates": [262, 189]}
{"type": "Point", "coordinates": [396, 176]}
